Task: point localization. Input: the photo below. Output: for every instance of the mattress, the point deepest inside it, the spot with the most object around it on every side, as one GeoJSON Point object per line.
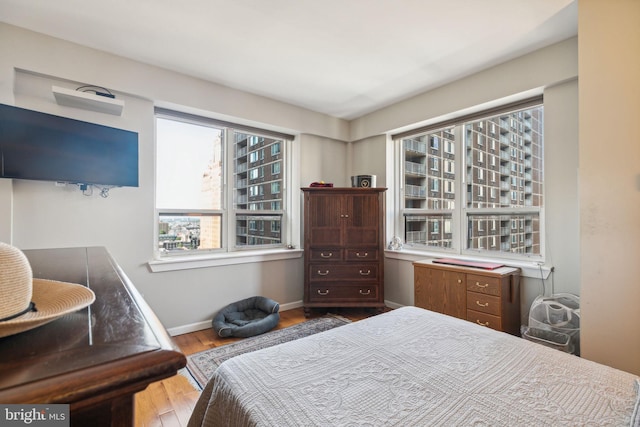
{"type": "Point", "coordinates": [413, 367]}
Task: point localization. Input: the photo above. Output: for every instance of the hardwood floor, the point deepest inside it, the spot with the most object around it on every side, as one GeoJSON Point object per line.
{"type": "Point", "coordinates": [169, 403]}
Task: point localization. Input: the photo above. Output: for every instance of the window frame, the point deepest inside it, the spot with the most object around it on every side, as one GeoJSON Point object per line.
{"type": "Point", "coordinates": [462, 215]}
{"type": "Point", "coordinates": [229, 212]}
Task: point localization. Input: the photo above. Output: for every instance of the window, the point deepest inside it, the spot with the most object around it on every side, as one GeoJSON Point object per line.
{"type": "Point", "coordinates": [219, 186]}
{"type": "Point", "coordinates": [275, 187]}
{"type": "Point", "coordinates": [275, 168]}
{"type": "Point", "coordinates": [448, 147]}
{"type": "Point", "coordinates": [462, 213]}
{"type": "Point", "coordinates": [448, 187]}
{"type": "Point", "coordinates": [449, 166]}
{"type": "Point", "coordinates": [435, 164]}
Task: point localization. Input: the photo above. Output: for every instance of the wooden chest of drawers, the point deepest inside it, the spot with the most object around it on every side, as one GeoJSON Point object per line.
{"type": "Point", "coordinates": [343, 242]}
{"type": "Point", "coordinates": [487, 297]}
{"type": "Point", "coordinates": [95, 359]}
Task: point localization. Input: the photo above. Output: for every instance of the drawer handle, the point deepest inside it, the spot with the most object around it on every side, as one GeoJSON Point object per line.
{"type": "Point", "coordinates": [366, 254]}
{"type": "Point", "coordinates": [365, 293]}
{"type": "Point", "coordinates": [325, 292]}
{"type": "Point", "coordinates": [323, 273]}
{"type": "Point", "coordinates": [482, 323]}
{"type": "Point", "coordinates": [486, 304]}
{"type": "Point", "coordinates": [365, 273]}
{"type": "Point", "coordinates": [482, 285]}
{"type": "Point", "coordinates": [329, 255]}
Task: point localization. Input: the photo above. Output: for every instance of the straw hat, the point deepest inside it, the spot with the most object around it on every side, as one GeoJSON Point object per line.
{"type": "Point", "coordinates": [25, 302]}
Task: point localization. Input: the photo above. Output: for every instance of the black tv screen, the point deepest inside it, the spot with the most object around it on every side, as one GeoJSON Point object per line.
{"type": "Point", "coordinates": [45, 147]}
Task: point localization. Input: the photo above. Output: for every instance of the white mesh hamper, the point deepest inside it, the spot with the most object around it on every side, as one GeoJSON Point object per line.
{"type": "Point", "coordinates": [558, 313]}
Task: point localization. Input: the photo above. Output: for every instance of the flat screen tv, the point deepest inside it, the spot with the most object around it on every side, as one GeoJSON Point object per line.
{"type": "Point", "coordinates": [45, 147]}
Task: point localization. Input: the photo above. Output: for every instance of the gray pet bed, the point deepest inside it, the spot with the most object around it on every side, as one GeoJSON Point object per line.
{"type": "Point", "coordinates": [246, 318]}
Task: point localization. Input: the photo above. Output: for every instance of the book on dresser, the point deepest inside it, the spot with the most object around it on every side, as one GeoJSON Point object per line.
{"type": "Point", "coordinates": [343, 247]}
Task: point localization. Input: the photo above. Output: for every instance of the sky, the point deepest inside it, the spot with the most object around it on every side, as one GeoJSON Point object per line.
{"type": "Point", "coordinates": [184, 151]}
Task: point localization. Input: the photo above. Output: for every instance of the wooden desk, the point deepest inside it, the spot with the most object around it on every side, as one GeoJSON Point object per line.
{"type": "Point", "coordinates": [95, 359]}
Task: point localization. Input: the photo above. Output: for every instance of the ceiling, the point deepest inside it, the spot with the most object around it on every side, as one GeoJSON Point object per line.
{"type": "Point", "coordinates": [344, 58]}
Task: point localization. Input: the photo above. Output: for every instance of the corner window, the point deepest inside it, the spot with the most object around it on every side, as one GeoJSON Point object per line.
{"type": "Point", "coordinates": [218, 186]}
{"type": "Point", "coordinates": [513, 138]}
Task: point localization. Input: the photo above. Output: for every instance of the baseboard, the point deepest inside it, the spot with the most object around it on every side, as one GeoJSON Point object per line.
{"type": "Point", "coordinates": [290, 305]}
{"type": "Point", "coordinates": [199, 326]}
{"type": "Point", "coordinates": [206, 324]}
{"type": "Point", "coordinates": [392, 304]}
{"type": "Point", "coordinates": [192, 327]}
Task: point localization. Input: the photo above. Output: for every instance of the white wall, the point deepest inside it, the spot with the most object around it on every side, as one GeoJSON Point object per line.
{"type": "Point", "coordinates": [609, 60]}
{"type": "Point", "coordinates": [562, 238]}
{"type": "Point", "coordinates": [368, 157]}
{"type": "Point", "coordinates": [324, 159]}
{"type": "Point", "coordinates": [532, 72]}
{"type": "Point", "coordinates": [561, 156]}
{"type": "Point", "coordinates": [592, 246]}
{"type": "Point", "coordinates": [45, 216]}
{"type": "Point", "coordinates": [551, 71]}
{"type": "Point", "coordinates": [6, 209]}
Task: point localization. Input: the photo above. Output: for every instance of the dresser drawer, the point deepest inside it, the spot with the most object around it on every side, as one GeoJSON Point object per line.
{"type": "Point", "coordinates": [362, 255]}
{"type": "Point", "coordinates": [319, 292]}
{"type": "Point", "coordinates": [325, 255]}
{"type": "Point", "coordinates": [484, 303]}
{"type": "Point", "coordinates": [343, 271]}
{"type": "Point", "coordinates": [483, 284]}
{"type": "Point", "coordinates": [484, 319]}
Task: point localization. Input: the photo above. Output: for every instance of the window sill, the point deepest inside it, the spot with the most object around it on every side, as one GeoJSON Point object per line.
{"type": "Point", "coordinates": [218, 260]}
{"type": "Point", "coordinates": [530, 269]}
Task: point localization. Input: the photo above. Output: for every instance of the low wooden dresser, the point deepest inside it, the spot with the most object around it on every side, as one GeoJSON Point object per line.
{"type": "Point", "coordinates": [95, 359]}
{"type": "Point", "coordinates": [487, 297]}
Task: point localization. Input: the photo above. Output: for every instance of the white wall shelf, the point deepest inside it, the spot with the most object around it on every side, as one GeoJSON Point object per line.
{"type": "Point", "coordinates": [87, 101]}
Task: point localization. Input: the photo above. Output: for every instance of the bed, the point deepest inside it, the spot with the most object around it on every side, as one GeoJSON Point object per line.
{"type": "Point", "coordinates": [413, 367]}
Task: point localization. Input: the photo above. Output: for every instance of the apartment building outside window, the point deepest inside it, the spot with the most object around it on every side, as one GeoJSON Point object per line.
{"type": "Point", "coordinates": [219, 185]}
{"type": "Point", "coordinates": [499, 217]}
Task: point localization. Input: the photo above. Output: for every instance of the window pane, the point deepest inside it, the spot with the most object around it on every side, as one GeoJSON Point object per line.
{"type": "Point", "coordinates": [496, 198]}
{"type": "Point", "coordinates": [218, 187]}
{"type": "Point", "coordinates": [258, 166]}
{"type": "Point", "coordinates": [189, 232]}
{"type": "Point", "coordinates": [427, 185]}
{"type": "Point", "coordinates": [516, 140]}
{"type": "Point", "coordinates": [189, 165]}
{"type": "Point", "coordinates": [428, 230]}
{"type": "Point", "coordinates": [518, 234]}
{"type": "Point", "coordinates": [258, 184]}
{"type": "Point", "coordinates": [516, 180]}
{"type": "Point", "coordinates": [252, 230]}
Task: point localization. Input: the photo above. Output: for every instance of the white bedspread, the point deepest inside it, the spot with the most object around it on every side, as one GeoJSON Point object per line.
{"type": "Point", "coordinates": [413, 367]}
